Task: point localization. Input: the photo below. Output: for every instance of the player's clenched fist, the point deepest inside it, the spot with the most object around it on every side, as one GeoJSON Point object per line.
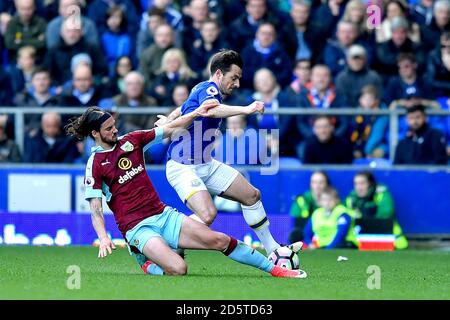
{"type": "Point", "coordinates": [257, 106]}
{"type": "Point", "coordinates": [106, 247]}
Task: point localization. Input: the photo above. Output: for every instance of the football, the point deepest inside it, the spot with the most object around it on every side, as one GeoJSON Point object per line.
{"type": "Point", "coordinates": [285, 257]}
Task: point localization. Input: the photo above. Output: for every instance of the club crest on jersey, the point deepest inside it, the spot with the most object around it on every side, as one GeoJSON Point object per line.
{"type": "Point", "coordinates": [125, 163]}
{"type": "Point", "coordinates": [136, 242]}
{"type": "Point", "coordinates": [212, 91]}
{"type": "Point", "coordinates": [89, 181]}
{"type": "Point", "coordinates": [127, 147]}
{"type": "Point", "coordinates": [195, 183]}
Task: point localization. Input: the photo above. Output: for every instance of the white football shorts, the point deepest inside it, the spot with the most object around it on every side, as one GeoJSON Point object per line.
{"type": "Point", "coordinates": [187, 179]}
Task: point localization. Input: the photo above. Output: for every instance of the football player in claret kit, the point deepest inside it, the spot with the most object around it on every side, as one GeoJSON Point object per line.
{"type": "Point", "coordinates": [194, 173]}
{"type": "Point", "coordinates": [153, 230]}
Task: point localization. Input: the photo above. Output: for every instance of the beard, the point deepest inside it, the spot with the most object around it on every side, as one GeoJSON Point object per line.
{"type": "Point", "coordinates": [111, 142]}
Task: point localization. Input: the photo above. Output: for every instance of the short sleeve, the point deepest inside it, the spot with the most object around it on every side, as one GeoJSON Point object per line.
{"type": "Point", "coordinates": [207, 93]}
{"type": "Point", "coordinates": [144, 137]}
{"type": "Point", "coordinates": [92, 180]}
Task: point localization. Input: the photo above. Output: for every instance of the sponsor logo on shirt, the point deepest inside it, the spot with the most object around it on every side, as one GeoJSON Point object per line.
{"type": "Point", "coordinates": [125, 164]}
{"type": "Point", "coordinates": [130, 174]}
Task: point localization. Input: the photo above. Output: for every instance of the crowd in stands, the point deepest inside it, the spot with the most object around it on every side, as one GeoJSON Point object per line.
{"type": "Point", "coordinates": [297, 53]}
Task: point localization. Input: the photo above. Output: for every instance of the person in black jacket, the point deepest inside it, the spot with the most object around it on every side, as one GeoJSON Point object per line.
{"type": "Point", "coordinates": [266, 52]}
{"type": "Point", "coordinates": [325, 147]}
{"type": "Point", "coordinates": [50, 144]}
{"type": "Point", "coordinates": [438, 70]}
{"type": "Point", "coordinates": [423, 144]}
{"type": "Point", "coordinates": [72, 42]}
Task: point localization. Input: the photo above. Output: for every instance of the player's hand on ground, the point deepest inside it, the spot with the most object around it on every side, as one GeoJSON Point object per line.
{"type": "Point", "coordinates": [256, 106]}
{"type": "Point", "coordinates": [203, 110]}
{"type": "Point", "coordinates": [106, 247]}
{"type": "Point", "coordinates": [162, 120]}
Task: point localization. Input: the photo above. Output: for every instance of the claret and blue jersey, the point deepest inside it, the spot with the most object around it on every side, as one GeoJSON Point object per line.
{"type": "Point", "coordinates": [190, 149]}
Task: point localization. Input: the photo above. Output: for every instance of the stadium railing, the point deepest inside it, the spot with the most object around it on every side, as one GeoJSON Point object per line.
{"type": "Point", "coordinates": [20, 112]}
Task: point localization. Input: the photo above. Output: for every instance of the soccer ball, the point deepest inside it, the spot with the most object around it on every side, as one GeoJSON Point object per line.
{"type": "Point", "coordinates": [285, 257]}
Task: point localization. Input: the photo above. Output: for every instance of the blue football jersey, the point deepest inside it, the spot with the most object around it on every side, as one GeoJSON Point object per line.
{"type": "Point", "coordinates": [197, 147]}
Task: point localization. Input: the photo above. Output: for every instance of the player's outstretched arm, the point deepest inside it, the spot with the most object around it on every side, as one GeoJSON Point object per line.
{"type": "Point", "coordinates": [98, 221]}
{"type": "Point", "coordinates": [162, 120]}
{"type": "Point", "coordinates": [184, 121]}
{"type": "Point", "coordinates": [225, 111]}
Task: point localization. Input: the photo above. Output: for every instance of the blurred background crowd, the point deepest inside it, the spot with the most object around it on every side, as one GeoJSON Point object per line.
{"type": "Point", "coordinates": [297, 53]}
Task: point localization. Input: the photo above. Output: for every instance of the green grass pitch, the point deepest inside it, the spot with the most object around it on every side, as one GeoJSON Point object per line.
{"type": "Point", "coordinates": [41, 273]}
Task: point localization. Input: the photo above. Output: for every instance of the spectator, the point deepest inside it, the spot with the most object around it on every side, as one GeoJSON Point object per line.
{"type": "Point", "coordinates": [172, 16]}
{"type": "Point", "coordinates": [369, 131]}
{"type": "Point", "coordinates": [25, 29]}
{"type": "Point", "coordinates": [356, 75]}
{"type": "Point", "coordinates": [302, 75]}
{"type": "Point", "coordinates": [310, 38]}
{"type": "Point", "coordinates": [116, 84]}
{"type": "Point", "coordinates": [328, 14]}
{"type": "Point", "coordinates": [135, 97]}
{"type": "Point", "coordinates": [336, 49]}
{"type": "Point", "coordinates": [115, 40]}
{"type": "Point", "coordinates": [203, 49]}
{"type": "Point", "coordinates": [356, 12]}
{"type": "Point", "coordinates": [71, 43]}
{"type": "Point", "coordinates": [422, 12]}
{"type": "Point", "coordinates": [21, 72]}
{"type": "Point", "coordinates": [423, 144]}
{"type": "Point", "coordinates": [439, 24]}
{"type": "Point", "coordinates": [321, 94]}
{"type": "Point", "coordinates": [409, 88]}
{"type": "Point", "coordinates": [146, 36]}
{"type": "Point", "coordinates": [395, 9]}
{"type": "Point", "coordinates": [215, 9]}
{"type": "Point", "coordinates": [197, 13]}
{"type": "Point", "coordinates": [325, 147]}
{"type": "Point", "coordinates": [268, 90]}
{"type": "Point", "coordinates": [9, 151]}
{"type": "Point", "coordinates": [305, 204]}
{"type": "Point", "coordinates": [265, 52]}
{"type": "Point", "coordinates": [67, 8]}
{"type": "Point", "coordinates": [180, 94]}
{"type": "Point", "coordinates": [373, 207]}
{"type": "Point", "coordinates": [331, 225]}
{"type": "Point", "coordinates": [38, 95]}
{"type": "Point", "coordinates": [174, 69]}
{"type": "Point", "coordinates": [151, 57]}
{"type": "Point", "coordinates": [98, 10]}
{"type": "Point", "coordinates": [388, 51]}
{"type": "Point", "coordinates": [50, 144]}
{"type": "Point", "coordinates": [242, 31]}
{"type": "Point", "coordinates": [82, 92]}
{"type": "Point", "coordinates": [439, 68]}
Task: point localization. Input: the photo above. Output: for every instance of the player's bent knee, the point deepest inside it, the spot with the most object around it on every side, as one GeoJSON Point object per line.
{"type": "Point", "coordinates": [177, 269]}
{"type": "Point", "coordinates": [208, 215]}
